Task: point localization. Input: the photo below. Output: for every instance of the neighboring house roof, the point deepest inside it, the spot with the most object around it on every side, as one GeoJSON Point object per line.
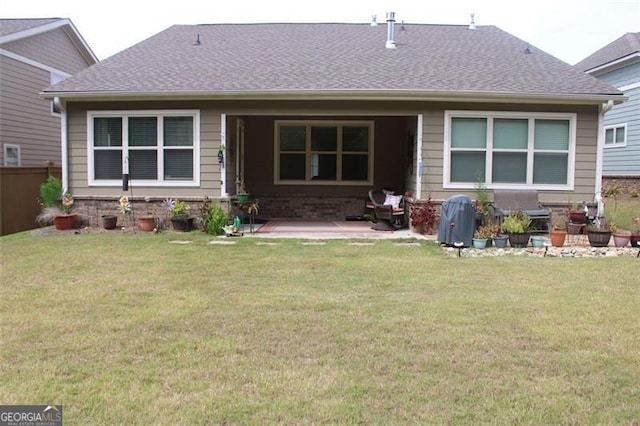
{"type": "Point", "coordinates": [17, 29]}
{"type": "Point", "coordinates": [623, 48]}
{"type": "Point", "coordinates": [333, 61]}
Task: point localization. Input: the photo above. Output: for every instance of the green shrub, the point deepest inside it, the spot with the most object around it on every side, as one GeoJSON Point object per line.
{"type": "Point", "coordinates": [216, 219]}
{"type": "Point", "coordinates": [50, 192]}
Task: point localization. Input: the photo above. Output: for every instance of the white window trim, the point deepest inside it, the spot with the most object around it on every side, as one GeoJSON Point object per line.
{"type": "Point", "coordinates": [615, 144]}
{"type": "Point", "coordinates": [276, 140]}
{"type": "Point", "coordinates": [144, 113]}
{"type": "Point", "coordinates": [7, 147]}
{"type": "Point", "coordinates": [490, 115]}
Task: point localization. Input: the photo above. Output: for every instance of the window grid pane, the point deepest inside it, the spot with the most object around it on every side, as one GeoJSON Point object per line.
{"type": "Point", "coordinates": [551, 135]}
{"type": "Point", "coordinates": [324, 138]}
{"type": "Point", "coordinates": [178, 131]}
{"type": "Point", "coordinates": [469, 133]}
{"type": "Point", "coordinates": [549, 168]}
{"type": "Point", "coordinates": [510, 133]}
{"type": "Point", "coordinates": [467, 166]}
{"type": "Point", "coordinates": [143, 131]}
{"type": "Point", "coordinates": [355, 139]}
{"type": "Point", "coordinates": [509, 167]}
{"type": "Point", "coordinates": [143, 164]}
{"type": "Point", "coordinates": [107, 131]}
{"type": "Point", "coordinates": [107, 164]}
{"type": "Point", "coordinates": [620, 135]}
{"type": "Point", "coordinates": [293, 138]}
{"type": "Point", "coordinates": [355, 167]}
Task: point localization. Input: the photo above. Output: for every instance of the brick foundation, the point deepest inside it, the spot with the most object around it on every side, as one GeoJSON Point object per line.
{"type": "Point", "coordinates": [629, 185]}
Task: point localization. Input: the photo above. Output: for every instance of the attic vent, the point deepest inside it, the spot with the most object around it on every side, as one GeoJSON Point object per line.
{"type": "Point", "coordinates": [472, 25]}
{"type": "Point", "coordinates": [374, 21]}
{"type": "Point", "coordinates": [391, 19]}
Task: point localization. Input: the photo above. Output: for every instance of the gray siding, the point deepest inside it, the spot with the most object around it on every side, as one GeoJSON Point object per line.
{"type": "Point", "coordinates": [53, 48]}
{"type": "Point", "coordinates": [394, 123]}
{"type": "Point", "coordinates": [623, 76]}
{"type": "Point", "coordinates": [25, 117]}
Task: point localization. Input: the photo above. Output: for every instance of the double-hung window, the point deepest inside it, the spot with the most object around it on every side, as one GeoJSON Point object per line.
{"type": "Point", "coordinates": [615, 136]}
{"type": "Point", "coordinates": [324, 152]}
{"type": "Point", "coordinates": [156, 148]}
{"type": "Point", "coordinates": [509, 150]}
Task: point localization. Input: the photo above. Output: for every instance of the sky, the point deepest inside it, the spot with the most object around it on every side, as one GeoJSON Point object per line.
{"type": "Point", "coordinates": [568, 29]}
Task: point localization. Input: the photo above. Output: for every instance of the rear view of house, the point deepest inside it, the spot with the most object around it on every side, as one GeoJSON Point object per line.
{"type": "Point", "coordinates": [34, 54]}
{"type": "Point", "coordinates": [309, 117]}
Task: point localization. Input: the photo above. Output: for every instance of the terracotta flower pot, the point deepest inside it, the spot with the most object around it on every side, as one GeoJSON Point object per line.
{"type": "Point", "coordinates": [621, 238]}
{"type": "Point", "coordinates": [64, 221]}
{"type": "Point", "coordinates": [147, 223]}
{"type": "Point", "coordinates": [558, 236]}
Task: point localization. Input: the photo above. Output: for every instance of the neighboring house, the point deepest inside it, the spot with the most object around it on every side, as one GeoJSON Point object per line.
{"type": "Point", "coordinates": [618, 64]}
{"type": "Point", "coordinates": [310, 116]}
{"type": "Point", "coordinates": [34, 54]}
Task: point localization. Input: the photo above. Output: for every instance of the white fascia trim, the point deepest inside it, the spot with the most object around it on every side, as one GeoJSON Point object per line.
{"type": "Point", "coordinates": [613, 64]}
{"type": "Point", "coordinates": [33, 63]}
{"type": "Point", "coordinates": [48, 27]}
{"type": "Point", "coordinates": [629, 86]}
{"type": "Point", "coordinates": [335, 95]}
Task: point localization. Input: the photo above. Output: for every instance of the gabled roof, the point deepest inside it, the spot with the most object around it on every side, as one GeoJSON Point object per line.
{"type": "Point", "coordinates": [17, 29]}
{"type": "Point", "coordinates": [625, 47]}
{"type": "Point", "coordinates": [334, 61]}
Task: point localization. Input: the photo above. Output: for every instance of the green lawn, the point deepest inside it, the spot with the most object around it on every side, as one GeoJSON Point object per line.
{"type": "Point", "coordinates": [130, 329]}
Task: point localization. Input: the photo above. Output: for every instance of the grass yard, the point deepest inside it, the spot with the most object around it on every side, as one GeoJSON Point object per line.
{"type": "Point", "coordinates": [130, 329]}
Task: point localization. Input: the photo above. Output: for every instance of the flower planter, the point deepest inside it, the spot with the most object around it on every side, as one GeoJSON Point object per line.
{"type": "Point", "coordinates": [558, 237]}
{"type": "Point", "coordinates": [147, 223]}
{"type": "Point", "coordinates": [64, 221]}
{"type": "Point", "coordinates": [578, 217]}
{"type": "Point", "coordinates": [574, 228]}
{"type": "Point", "coordinates": [243, 198]}
{"type": "Point", "coordinates": [635, 240]}
{"type": "Point", "coordinates": [479, 243]}
{"type": "Point", "coordinates": [109, 221]}
{"type": "Point", "coordinates": [599, 238]}
{"type": "Point", "coordinates": [500, 241]}
{"type": "Point", "coordinates": [182, 224]}
{"type": "Point", "coordinates": [621, 238]}
{"type": "Point", "coordinates": [519, 240]}
{"type": "Point", "coordinates": [538, 241]}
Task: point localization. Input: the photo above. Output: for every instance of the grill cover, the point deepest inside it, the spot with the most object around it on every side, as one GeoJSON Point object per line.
{"type": "Point", "coordinates": [457, 221]}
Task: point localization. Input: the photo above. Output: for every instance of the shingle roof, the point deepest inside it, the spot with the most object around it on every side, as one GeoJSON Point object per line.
{"type": "Point", "coordinates": [331, 58]}
{"type": "Point", "coordinates": [11, 26]}
{"type": "Point", "coordinates": [619, 48]}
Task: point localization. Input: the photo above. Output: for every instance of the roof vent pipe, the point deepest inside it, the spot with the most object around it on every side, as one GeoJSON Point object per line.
{"type": "Point", "coordinates": [374, 21]}
{"type": "Point", "coordinates": [391, 19]}
{"type": "Point", "coordinates": [472, 25]}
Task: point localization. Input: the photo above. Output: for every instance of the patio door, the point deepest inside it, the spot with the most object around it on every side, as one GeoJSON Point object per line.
{"type": "Point", "coordinates": [240, 153]}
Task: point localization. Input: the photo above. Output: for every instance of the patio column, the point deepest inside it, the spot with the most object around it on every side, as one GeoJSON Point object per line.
{"type": "Point", "coordinates": [418, 191]}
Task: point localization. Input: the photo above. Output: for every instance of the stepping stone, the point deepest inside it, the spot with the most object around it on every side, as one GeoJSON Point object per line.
{"type": "Point", "coordinates": [314, 243]}
{"type": "Point", "coordinates": [180, 242]}
{"type": "Point", "coordinates": [267, 244]}
{"type": "Point", "coordinates": [360, 244]}
{"type": "Point", "coordinates": [406, 244]}
{"type": "Point", "coordinates": [222, 242]}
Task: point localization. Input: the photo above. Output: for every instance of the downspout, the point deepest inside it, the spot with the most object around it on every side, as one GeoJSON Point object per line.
{"type": "Point", "coordinates": [419, 157]}
{"type": "Point", "coordinates": [59, 104]}
{"type": "Point", "coordinates": [604, 108]}
{"type": "Point", "coordinates": [223, 148]}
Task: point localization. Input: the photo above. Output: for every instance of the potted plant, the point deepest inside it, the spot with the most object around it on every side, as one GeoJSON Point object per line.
{"type": "Point", "coordinates": [517, 226]}
{"type": "Point", "coordinates": [148, 222]}
{"type": "Point", "coordinates": [635, 232]}
{"type": "Point", "coordinates": [423, 216]}
{"type": "Point", "coordinates": [243, 195]}
{"type": "Point", "coordinates": [481, 236]}
{"type": "Point", "coordinates": [56, 205]}
{"type": "Point", "coordinates": [621, 237]}
{"type": "Point", "coordinates": [180, 219]}
{"type": "Point", "coordinates": [598, 235]}
{"type": "Point", "coordinates": [577, 215]}
{"type": "Point", "coordinates": [558, 233]}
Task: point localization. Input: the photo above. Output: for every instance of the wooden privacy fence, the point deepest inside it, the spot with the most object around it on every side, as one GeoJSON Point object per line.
{"type": "Point", "coordinates": [19, 193]}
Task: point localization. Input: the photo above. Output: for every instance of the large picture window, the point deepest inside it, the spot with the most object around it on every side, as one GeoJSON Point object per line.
{"type": "Point", "coordinates": [157, 148]}
{"type": "Point", "coordinates": [509, 150]}
{"type": "Point", "coordinates": [324, 152]}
